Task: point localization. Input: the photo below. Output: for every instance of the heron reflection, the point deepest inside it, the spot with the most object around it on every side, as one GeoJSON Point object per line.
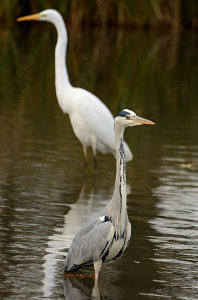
{"type": "Point", "coordinates": [78, 288]}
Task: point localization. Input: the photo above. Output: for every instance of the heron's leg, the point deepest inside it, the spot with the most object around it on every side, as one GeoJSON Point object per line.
{"type": "Point", "coordinates": [97, 267]}
{"type": "Point", "coordinates": [85, 156]}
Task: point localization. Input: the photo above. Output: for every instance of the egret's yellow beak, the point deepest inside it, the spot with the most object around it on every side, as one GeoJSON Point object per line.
{"type": "Point", "coordinates": [141, 121]}
{"type": "Point", "coordinates": [29, 18]}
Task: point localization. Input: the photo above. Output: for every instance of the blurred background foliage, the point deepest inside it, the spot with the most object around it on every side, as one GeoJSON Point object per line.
{"type": "Point", "coordinates": [162, 14]}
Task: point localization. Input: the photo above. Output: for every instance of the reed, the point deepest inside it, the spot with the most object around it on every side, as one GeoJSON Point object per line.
{"type": "Point", "coordinates": [173, 14]}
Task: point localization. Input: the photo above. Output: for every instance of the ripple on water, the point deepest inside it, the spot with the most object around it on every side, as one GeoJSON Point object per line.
{"type": "Point", "coordinates": [175, 224]}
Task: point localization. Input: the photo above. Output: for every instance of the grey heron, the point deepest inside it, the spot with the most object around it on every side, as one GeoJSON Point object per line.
{"type": "Point", "coordinates": [107, 234]}
{"type": "Point", "coordinates": [97, 130]}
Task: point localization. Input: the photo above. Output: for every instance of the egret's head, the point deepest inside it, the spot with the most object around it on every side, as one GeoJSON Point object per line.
{"type": "Point", "coordinates": [129, 118]}
{"type": "Point", "coordinates": [49, 15]}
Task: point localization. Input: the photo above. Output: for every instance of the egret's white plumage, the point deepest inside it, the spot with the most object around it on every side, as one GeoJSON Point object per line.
{"type": "Point", "coordinates": [106, 236]}
{"type": "Point", "coordinates": [91, 120]}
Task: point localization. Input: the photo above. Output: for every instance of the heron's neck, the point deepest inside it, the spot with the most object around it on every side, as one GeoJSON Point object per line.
{"type": "Point", "coordinates": [62, 82]}
{"type": "Point", "coordinates": [118, 203]}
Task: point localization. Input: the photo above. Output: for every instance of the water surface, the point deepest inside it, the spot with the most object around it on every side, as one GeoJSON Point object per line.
{"type": "Point", "coordinates": [45, 196]}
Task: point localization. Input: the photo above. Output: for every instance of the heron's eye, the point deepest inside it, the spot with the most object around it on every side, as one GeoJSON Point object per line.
{"type": "Point", "coordinates": [127, 117]}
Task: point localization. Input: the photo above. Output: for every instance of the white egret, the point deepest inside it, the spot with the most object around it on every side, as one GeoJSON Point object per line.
{"type": "Point", "coordinates": [106, 236]}
{"type": "Point", "coordinates": [91, 120]}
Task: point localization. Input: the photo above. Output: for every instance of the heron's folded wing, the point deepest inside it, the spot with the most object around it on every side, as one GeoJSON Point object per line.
{"type": "Point", "coordinates": [90, 245]}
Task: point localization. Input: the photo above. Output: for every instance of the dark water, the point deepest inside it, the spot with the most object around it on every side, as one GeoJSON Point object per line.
{"type": "Point", "coordinates": [44, 195]}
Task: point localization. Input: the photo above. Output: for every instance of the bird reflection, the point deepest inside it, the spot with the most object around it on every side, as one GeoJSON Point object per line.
{"type": "Point", "coordinates": [80, 288]}
{"type": "Point", "coordinates": [88, 204]}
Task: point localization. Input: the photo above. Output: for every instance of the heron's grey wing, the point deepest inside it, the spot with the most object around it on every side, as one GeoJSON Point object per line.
{"type": "Point", "coordinates": [89, 244]}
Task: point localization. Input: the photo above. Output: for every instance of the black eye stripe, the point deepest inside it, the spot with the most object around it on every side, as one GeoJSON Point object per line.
{"type": "Point", "coordinates": [123, 113]}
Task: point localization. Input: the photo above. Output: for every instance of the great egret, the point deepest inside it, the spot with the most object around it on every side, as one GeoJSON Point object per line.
{"type": "Point", "coordinates": [91, 120]}
{"type": "Point", "coordinates": [106, 236]}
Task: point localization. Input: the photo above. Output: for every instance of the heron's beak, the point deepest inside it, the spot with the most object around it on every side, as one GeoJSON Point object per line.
{"type": "Point", "coordinates": [29, 18]}
{"type": "Point", "coordinates": [140, 121]}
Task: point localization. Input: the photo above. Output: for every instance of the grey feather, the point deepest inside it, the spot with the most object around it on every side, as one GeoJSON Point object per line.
{"type": "Point", "coordinates": [88, 244]}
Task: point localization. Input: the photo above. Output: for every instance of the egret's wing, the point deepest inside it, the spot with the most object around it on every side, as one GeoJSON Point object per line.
{"type": "Point", "coordinates": [92, 119]}
{"type": "Point", "coordinates": [89, 244]}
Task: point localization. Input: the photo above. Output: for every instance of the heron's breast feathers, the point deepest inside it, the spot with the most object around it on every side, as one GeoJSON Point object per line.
{"type": "Point", "coordinates": [117, 240]}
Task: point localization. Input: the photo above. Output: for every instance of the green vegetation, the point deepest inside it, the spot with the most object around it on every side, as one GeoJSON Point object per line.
{"type": "Point", "coordinates": [163, 14]}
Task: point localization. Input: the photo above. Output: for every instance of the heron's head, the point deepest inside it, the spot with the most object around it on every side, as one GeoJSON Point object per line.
{"type": "Point", "coordinates": [128, 118]}
{"type": "Point", "coordinates": [49, 15]}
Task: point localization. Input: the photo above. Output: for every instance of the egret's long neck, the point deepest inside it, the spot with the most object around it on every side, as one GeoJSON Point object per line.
{"type": "Point", "coordinates": [60, 54]}
{"type": "Point", "coordinates": [62, 82]}
{"type": "Point", "coordinates": [119, 200]}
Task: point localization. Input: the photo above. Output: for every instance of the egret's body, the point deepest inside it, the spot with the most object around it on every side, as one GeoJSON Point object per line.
{"type": "Point", "coordinates": [106, 236]}
{"type": "Point", "coordinates": [96, 131]}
